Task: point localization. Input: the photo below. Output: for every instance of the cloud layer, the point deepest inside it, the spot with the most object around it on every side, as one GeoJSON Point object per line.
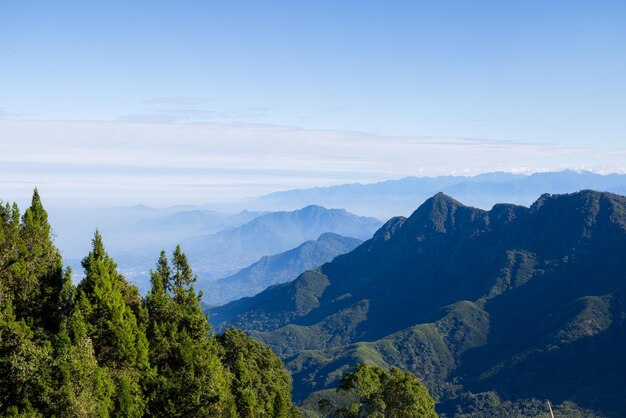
{"type": "Point", "coordinates": [165, 164]}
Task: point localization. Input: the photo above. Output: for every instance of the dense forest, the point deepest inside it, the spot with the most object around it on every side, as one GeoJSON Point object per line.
{"type": "Point", "coordinates": [99, 349]}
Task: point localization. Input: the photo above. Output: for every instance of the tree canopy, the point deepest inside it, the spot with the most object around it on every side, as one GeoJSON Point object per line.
{"type": "Point", "coordinates": [378, 393]}
{"type": "Point", "coordinates": [99, 349]}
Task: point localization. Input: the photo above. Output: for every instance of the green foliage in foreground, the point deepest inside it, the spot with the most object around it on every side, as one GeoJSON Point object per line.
{"type": "Point", "coordinates": [99, 350]}
{"type": "Point", "coordinates": [379, 393]}
{"type": "Point", "coordinates": [262, 387]}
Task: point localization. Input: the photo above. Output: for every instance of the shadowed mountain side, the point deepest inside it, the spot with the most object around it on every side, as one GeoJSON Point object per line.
{"type": "Point", "coordinates": [524, 302]}
{"type": "Point", "coordinates": [276, 269]}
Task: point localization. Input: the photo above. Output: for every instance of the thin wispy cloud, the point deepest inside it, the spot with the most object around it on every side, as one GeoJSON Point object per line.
{"type": "Point", "coordinates": [198, 163]}
{"type": "Point", "coordinates": [190, 110]}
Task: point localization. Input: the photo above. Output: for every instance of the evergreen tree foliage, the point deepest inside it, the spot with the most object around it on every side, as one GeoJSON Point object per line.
{"type": "Point", "coordinates": [81, 387]}
{"type": "Point", "coordinates": [382, 393]}
{"type": "Point", "coordinates": [100, 350]}
{"type": "Point", "coordinates": [9, 240]}
{"type": "Point", "coordinates": [119, 341]}
{"type": "Point", "coordinates": [32, 266]}
{"type": "Point", "coordinates": [24, 363]}
{"type": "Point", "coordinates": [261, 386]}
{"type": "Point", "coordinates": [190, 379]}
{"type": "Point", "coordinates": [32, 284]}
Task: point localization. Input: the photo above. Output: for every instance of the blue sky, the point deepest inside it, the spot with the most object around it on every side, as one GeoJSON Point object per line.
{"type": "Point", "coordinates": [545, 73]}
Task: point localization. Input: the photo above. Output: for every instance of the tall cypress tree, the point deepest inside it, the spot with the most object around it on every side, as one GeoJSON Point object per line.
{"type": "Point", "coordinates": [118, 339]}
{"type": "Point", "coordinates": [190, 380]}
{"type": "Point", "coordinates": [32, 268]}
{"type": "Point", "coordinates": [31, 288]}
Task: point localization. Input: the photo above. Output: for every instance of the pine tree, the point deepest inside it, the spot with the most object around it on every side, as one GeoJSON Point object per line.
{"type": "Point", "coordinates": [190, 379]}
{"type": "Point", "coordinates": [119, 341]}
{"type": "Point", "coordinates": [31, 265]}
{"type": "Point", "coordinates": [81, 387]}
{"type": "Point", "coordinates": [99, 350]}
{"type": "Point", "coordinates": [31, 287]}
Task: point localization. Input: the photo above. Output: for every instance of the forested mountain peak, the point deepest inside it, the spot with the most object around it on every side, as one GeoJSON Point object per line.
{"type": "Point", "coordinates": [455, 293]}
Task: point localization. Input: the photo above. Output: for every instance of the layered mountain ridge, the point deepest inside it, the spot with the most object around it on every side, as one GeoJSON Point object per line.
{"type": "Point", "coordinates": [395, 197]}
{"type": "Point", "coordinates": [277, 268]}
{"type": "Point", "coordinates": [514, 304]}
{"type": "Point", "coordinates": [226, 252]}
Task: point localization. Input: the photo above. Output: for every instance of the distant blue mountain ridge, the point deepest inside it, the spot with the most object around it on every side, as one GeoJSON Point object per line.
{"type": "Point", "coordinates": [400, 197]}
{"type": "Point", "coordinates": [226, 252]}
{"type": "Point", "coordinates": [275, 269]}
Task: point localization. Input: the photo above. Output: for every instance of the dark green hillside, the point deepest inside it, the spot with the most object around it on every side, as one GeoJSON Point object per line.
{"type": "Point", "coordinates": [496, 310]}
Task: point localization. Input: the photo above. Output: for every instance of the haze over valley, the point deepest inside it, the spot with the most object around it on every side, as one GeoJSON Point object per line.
{"type": "Point", "coordinates": [319, 209]}
{"type": "Point", "coordinates": [220, 243]}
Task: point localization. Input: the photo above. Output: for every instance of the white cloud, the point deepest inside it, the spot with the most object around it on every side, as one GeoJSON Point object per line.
{"type": "Point", "coordinates": [197, 163]}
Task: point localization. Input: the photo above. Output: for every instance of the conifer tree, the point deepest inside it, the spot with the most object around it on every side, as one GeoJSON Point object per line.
{"type": "Point", "coordinates": [118, 339]}
{"type": "Point", "coordinates": [24, 365]}
{"type": "Point", "coordinates": [9, 240]}
{"type": "Point", "coordinates": [32, 266]}
{"type": "Point", "coordinates": [81, 387]}
{"type": "Point", "coordinates": [31, 287]}
{"type": "Point", "coordinates": [100, 350]}
{"type": "Point", "coordinates": [190, 379]}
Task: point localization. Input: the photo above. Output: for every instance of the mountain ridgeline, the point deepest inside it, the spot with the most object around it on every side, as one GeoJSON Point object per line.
{"type": "Point", "coordinates": [399, 197]}
{"type": "Point", "coordinates": [497, 311]}
{"type": "Point", "coordinates": [276, 269]}
{"type": "Point", "coordinates": [239, 241]}
{"type": "Point", "coordinates": [226, 252]}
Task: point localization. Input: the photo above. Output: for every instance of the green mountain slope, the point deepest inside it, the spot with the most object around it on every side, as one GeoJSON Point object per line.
{"type": "Point", "coordinates": [496, 310]}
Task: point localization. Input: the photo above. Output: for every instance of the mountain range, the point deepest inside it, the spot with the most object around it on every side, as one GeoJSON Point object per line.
{"type": "Point", "coordinates": [226, 252]}
{"type": "Point", "coordinates": [174, 227]}
{"type": "Point", "coordinates": [400, 197]}
{"type": "Point", "coordinates": [151, 230]}
{"type": "Point", "coordinates": [218, 244]}
{"type": "Point", "coordinates": [497, 311]}
{"type": "Point", "coordinates": [276, 269]}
